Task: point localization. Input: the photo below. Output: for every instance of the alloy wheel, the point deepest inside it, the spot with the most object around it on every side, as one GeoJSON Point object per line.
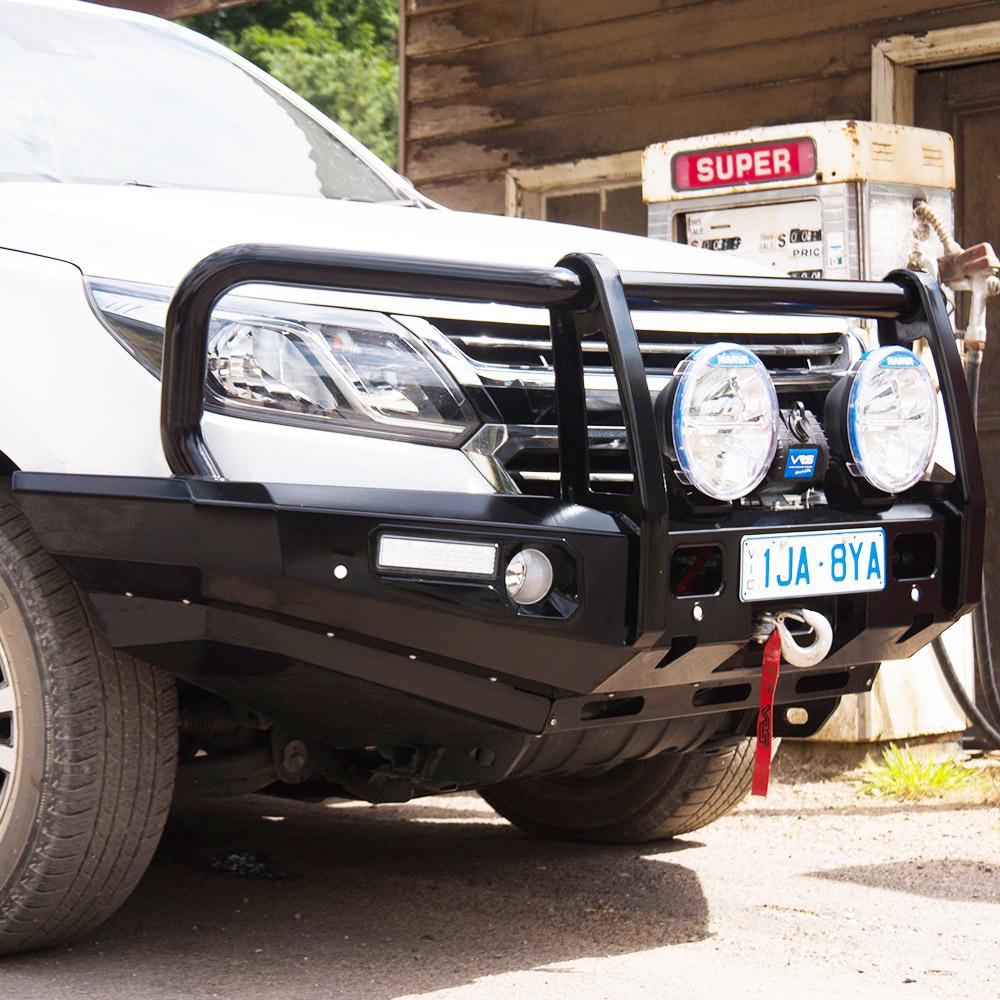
{"type": "Point", "coordinates": [8, 731]}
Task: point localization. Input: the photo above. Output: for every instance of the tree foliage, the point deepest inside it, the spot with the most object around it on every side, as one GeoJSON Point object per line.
{"type": "Point", "coordinates": [338, 54]}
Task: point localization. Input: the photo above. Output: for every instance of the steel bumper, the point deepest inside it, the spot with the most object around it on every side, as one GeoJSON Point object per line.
{"type": "Point", "coordinates": [236, 586]}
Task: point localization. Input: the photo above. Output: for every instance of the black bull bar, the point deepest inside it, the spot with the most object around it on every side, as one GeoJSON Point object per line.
{"type": "Point", "coordinates": [585, 293]}
{"type": "Point", "coordinates": [586, 296]}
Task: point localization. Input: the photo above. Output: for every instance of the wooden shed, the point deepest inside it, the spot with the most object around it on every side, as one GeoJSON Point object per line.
{"type": "Point", "coordinates": [541, 107]}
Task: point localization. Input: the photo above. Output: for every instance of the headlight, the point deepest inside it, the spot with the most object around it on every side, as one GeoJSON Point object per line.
{"type": "Point", "coordinates": [724, 421]}
{"type": "Point", "coordinates": [349, 368]}
{"type": "Point", "coordinates": [891, 419]}
{"type": "Point", "coordinates": [315, 365]}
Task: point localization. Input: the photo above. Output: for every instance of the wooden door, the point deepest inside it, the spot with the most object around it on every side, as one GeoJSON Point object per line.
{"type": "Point", "coordinates": [965, 101]}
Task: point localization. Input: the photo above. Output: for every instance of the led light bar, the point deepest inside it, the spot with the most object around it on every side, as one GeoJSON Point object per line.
{"type": "Point", "coordinates": [433, 555]}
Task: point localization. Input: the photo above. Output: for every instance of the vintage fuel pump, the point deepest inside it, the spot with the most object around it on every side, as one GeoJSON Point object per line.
{"type": "Point", "coordinates": [839, 199]}
{"type": "Point", "coordinates": [821, 200]}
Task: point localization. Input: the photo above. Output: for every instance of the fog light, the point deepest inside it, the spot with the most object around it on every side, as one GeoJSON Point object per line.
{"type": "Point", "coordinates": [882, 419]}
{"type": "Point", "coordinates": [434, 555]}
{"type": "Point", "coordinates": [891, 418]}
{"type": "Point", "coordinates": [529, 576]}
{"type": "Point", "coordinates": [724, 421]}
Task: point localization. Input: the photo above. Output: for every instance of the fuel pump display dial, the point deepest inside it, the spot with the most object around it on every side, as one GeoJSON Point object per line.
{"type": "Point", "coordinates": [786, 236]}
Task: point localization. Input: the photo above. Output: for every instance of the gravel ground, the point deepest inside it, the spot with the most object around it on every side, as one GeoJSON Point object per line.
{"type": "Point", "coordinates": [811, 893]}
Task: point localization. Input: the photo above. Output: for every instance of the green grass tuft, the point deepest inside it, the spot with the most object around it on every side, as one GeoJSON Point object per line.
{"type": "Point", "coordinates": [900, 775]}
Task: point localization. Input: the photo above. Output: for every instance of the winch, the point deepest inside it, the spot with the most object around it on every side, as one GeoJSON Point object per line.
{"type": "Point", "coordinates": [791, 652]}
{"type": "Point", "coordinates": [801, 457]}
{"type": "Point", "coordinates": [779, 644]}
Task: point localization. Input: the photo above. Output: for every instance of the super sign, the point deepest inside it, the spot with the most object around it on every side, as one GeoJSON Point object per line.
{"type": "Point", "coordinates": [758, 163]}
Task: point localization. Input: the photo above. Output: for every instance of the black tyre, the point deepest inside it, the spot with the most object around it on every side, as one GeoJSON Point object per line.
{"type": "Point", "coordinates": [637, 801]}
{"type": "Point", "coordinates": [87, 754]}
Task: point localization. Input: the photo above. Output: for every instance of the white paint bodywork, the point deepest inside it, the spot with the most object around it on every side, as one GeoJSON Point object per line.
{"type": "Point", "coordinates": [93, 408]}
{"type": "Point", "coordinates": [73, 400]}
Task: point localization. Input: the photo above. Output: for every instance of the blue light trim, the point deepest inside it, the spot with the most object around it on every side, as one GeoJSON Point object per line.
{"type": "Point", "coordinates": [883, 357]}
{"type": "Point", "coordinates": [676, 428]}
{"type": "Point", "coordinates": [717, 355]}
{"type": "Point", "coordinates": [852, 424]}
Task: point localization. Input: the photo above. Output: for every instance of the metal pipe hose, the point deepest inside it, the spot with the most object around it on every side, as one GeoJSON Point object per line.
{"type": "Point", "coordinates": [987, 719]}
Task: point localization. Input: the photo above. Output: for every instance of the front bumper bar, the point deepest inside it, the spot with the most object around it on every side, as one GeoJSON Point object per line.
{"type": "Point", "coordinates": [587, 296]}
{"type": "Point", "coordinates": [233, 584]}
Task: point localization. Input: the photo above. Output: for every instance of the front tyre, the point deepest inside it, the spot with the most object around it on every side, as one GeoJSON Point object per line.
{"type": "Point", "coordinates": [635, 802]}
{"type": "Point", "coordinates": [87, 754]}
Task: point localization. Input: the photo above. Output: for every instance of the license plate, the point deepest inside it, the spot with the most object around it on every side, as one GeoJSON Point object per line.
{"type": "Point", "coordinates": [809, 563]}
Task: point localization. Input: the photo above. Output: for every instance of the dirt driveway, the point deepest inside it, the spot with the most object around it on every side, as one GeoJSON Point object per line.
{"type": "Point", "coordinates": [812, 893]}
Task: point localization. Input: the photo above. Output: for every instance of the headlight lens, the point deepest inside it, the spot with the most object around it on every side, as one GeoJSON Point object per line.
{"type": "Point", "coordinates": [316, 365]}
{"type": "Point", "coordinates": [892, 418]}
{"type": "Point", "coordinates": [724, 421]}
{"type": "Point", "coordinates": [356, 369]}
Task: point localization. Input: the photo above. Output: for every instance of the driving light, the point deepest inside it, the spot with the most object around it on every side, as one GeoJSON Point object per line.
{"type": "Point", "coordinates": [892, 419]}
{"type": "Point", "coordinates": [723, 420]}
{"type": "Point", "coordinates": [433, 555]}
{"type": "Point", "coordinates": [529, 577]}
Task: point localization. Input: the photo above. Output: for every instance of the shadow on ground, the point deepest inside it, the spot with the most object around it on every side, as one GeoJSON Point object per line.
{"type": "Point", "coordinates": [956, 879]}
{"type": "Point", "coordinates": [380, 903]}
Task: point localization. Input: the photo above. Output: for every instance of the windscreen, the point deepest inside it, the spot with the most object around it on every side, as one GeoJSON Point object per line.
{"type": "Point", "coordinates": [86, 98]}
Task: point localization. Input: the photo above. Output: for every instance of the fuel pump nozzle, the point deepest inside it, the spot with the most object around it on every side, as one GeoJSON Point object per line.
{"type": "Point", "coordinates": [974, 270]}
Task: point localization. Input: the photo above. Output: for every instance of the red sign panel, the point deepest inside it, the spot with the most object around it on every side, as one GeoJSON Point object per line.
{"type": "Point", "coordinates": [757, 163]}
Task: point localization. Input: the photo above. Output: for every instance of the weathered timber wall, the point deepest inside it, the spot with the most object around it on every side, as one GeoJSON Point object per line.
{"type": "Point", "coordinates": [494, 84]}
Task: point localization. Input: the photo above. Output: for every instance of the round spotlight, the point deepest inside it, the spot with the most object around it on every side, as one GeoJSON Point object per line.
{"type": "Point", "coordinates": [724, 421]}
{"type": "Point", "coordinates": [529, 576]}
{"type": "Point", "coordinates": [892, 418]}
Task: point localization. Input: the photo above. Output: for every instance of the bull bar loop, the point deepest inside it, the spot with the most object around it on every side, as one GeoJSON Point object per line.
{"type": "Point", "coordinates": [585, 295]}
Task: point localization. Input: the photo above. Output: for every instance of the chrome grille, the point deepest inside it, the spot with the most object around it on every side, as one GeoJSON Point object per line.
{"type": "Point", "coordinates": [535, 467]}
{"type": "Point", "coordinates": [514, 347]}
{"type": "Point", "coordinates": [508, 357]}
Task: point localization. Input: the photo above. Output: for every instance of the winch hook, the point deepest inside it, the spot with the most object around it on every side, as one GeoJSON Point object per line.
{"type": "Point", "coordinates": [791, 652]}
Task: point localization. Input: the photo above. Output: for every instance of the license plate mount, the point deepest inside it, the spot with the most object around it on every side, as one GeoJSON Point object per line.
{"type": "Point", "coordinates": [795, 564]}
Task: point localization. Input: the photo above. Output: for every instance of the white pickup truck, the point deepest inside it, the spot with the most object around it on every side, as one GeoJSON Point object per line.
{"type": "Point", "coordinates": [313, 487]}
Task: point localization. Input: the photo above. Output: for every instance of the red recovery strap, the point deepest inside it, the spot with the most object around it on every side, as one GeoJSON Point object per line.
{"type": "Point", "coordinates": [765, 716]}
